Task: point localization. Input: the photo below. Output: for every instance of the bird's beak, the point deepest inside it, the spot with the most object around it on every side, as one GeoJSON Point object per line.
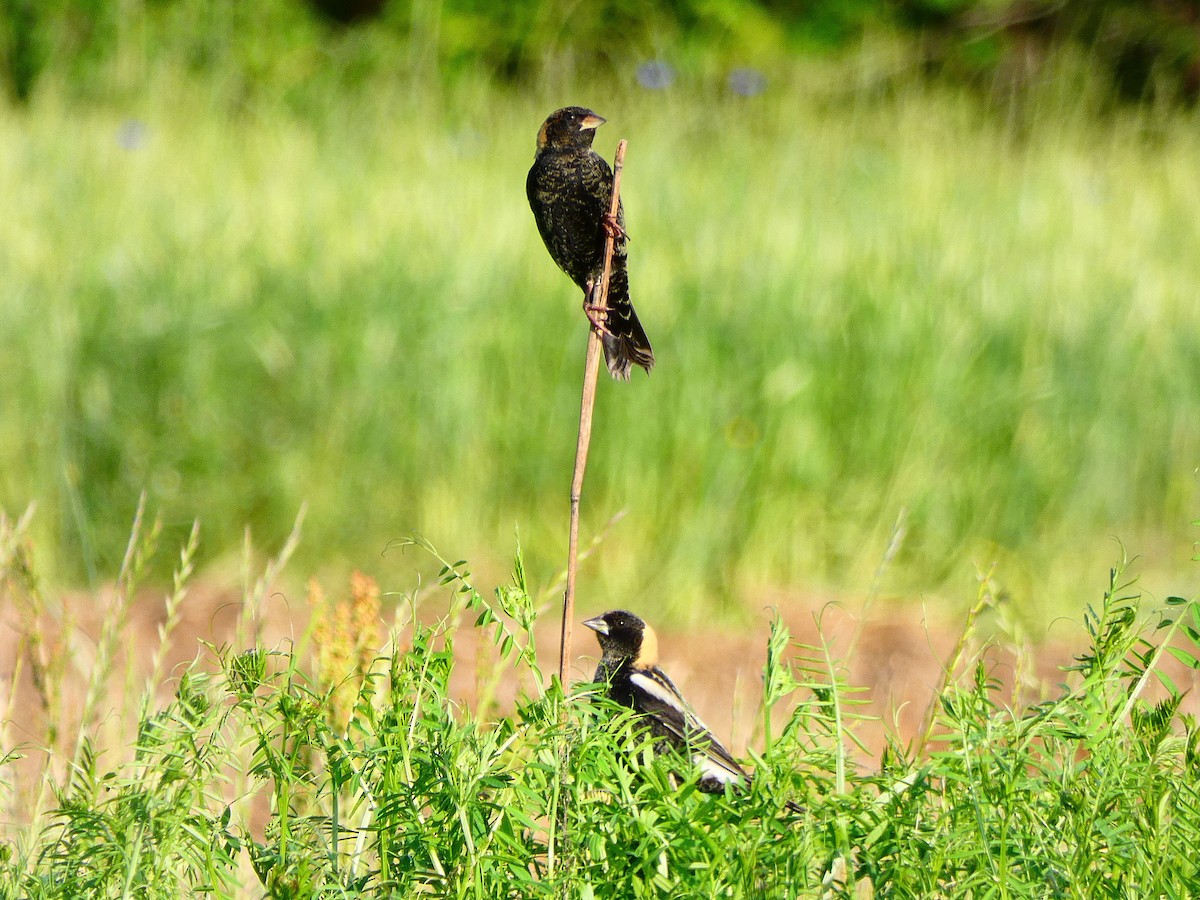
{"type": "Point", "coordinates": [597, 625]}
{"type": "Point", "coordinates": [593, 121]}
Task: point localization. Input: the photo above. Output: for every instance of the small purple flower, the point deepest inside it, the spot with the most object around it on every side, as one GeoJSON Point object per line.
{"type": "Point", "coordinates": [131, 135]}
{"type": "Point", "coordinates": [655, 75]}
{"type": "Point", "coordinates": [747, 82]}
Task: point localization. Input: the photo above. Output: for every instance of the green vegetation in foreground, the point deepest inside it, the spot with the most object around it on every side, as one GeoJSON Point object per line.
{"type": "Point", "coordinates": [862, 305]}
{"type": "Point", "coordinates": [365, 780]}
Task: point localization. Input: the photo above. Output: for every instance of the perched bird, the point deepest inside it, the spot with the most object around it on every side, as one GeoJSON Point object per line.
{"type": "Point", "coordinates": [570, 192]}
{"type": "Point", "coordinates": [629, 665]}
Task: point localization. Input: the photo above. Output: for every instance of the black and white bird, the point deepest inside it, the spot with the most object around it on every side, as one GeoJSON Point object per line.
{"type": "Point", "coordinates": [629, 665]}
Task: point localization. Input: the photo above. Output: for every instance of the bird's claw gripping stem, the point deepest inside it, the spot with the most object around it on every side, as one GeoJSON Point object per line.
{"type": "Point", "coordinates": [597, 316]}
{"type": "Point", "coordinates": [613, 228]}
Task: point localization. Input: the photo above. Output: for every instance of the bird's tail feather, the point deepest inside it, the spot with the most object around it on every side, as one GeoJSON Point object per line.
{"type": "Point", "coordinates": [626, 344]}
{"type": "Point", "coordinates": [622, 352]}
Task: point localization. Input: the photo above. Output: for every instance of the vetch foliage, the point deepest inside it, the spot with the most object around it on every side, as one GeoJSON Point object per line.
{"type": "Point", "coordinates": [265, 776]}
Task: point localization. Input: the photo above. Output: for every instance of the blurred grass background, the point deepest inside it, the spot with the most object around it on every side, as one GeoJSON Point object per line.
{"type": "Point", "coordinates": [249, 261]}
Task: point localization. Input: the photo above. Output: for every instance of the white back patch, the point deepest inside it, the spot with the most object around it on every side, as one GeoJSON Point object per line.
{"type": "Point", "coordinates": [658, 691]}
{"type": "Point", "coordinates": [713, 769]}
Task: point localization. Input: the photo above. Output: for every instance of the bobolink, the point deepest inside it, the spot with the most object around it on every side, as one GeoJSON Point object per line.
{"type": "Point", "coordinates": [629, 665]}
{"type": "Point", "coordinates": [570, 190]}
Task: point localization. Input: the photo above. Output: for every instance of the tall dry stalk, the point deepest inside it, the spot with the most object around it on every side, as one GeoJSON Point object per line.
{"type": "Point", "coordinates": [598, 298]}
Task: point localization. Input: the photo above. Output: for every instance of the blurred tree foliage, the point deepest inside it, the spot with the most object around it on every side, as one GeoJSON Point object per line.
{"type": "Point", "coordinates": [1146, 48]}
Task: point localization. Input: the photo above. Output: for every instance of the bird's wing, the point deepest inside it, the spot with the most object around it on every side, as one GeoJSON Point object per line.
{"type": "Point", "coordinates": [541, 214]}
{"type": "Point", "coordinates": [655, 695]}
{"type": "Point", "coordinates": [598, 178]}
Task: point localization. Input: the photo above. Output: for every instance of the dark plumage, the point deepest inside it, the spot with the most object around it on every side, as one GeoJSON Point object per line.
{"type": "Point", "coordinates": [570, 190]}
{"type": "Point", "coordinates": [629, 665]}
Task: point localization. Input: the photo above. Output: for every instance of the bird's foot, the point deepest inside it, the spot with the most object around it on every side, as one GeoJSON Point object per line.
{"type": "Point", "coordinates": [597, 315]}
{"type": "Point", "coordinates": [613, 228]}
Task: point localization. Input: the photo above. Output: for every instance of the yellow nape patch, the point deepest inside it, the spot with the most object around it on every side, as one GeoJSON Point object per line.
{"type": "Point", "coordinates": [648, 653]}
{"type": "Point", "coordinates": [543, 138]}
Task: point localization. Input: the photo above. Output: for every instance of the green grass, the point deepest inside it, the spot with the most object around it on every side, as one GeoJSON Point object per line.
{"type": "Point", "coordinates": [870, 307]}
{"type": "Point", "coordinates": [865, 305]}
{"type": "Point", "coordinates": [256, 780]}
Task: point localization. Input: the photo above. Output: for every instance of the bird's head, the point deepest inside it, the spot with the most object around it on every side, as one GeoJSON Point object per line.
{"type": "Point", "coordinates": [569, 128]}
{"type": "Point", "coordinates": [622, 635]}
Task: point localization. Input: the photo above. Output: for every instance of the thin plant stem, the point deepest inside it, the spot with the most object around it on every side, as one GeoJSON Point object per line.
{"type": "Point", "coordinates": [599, 299]}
